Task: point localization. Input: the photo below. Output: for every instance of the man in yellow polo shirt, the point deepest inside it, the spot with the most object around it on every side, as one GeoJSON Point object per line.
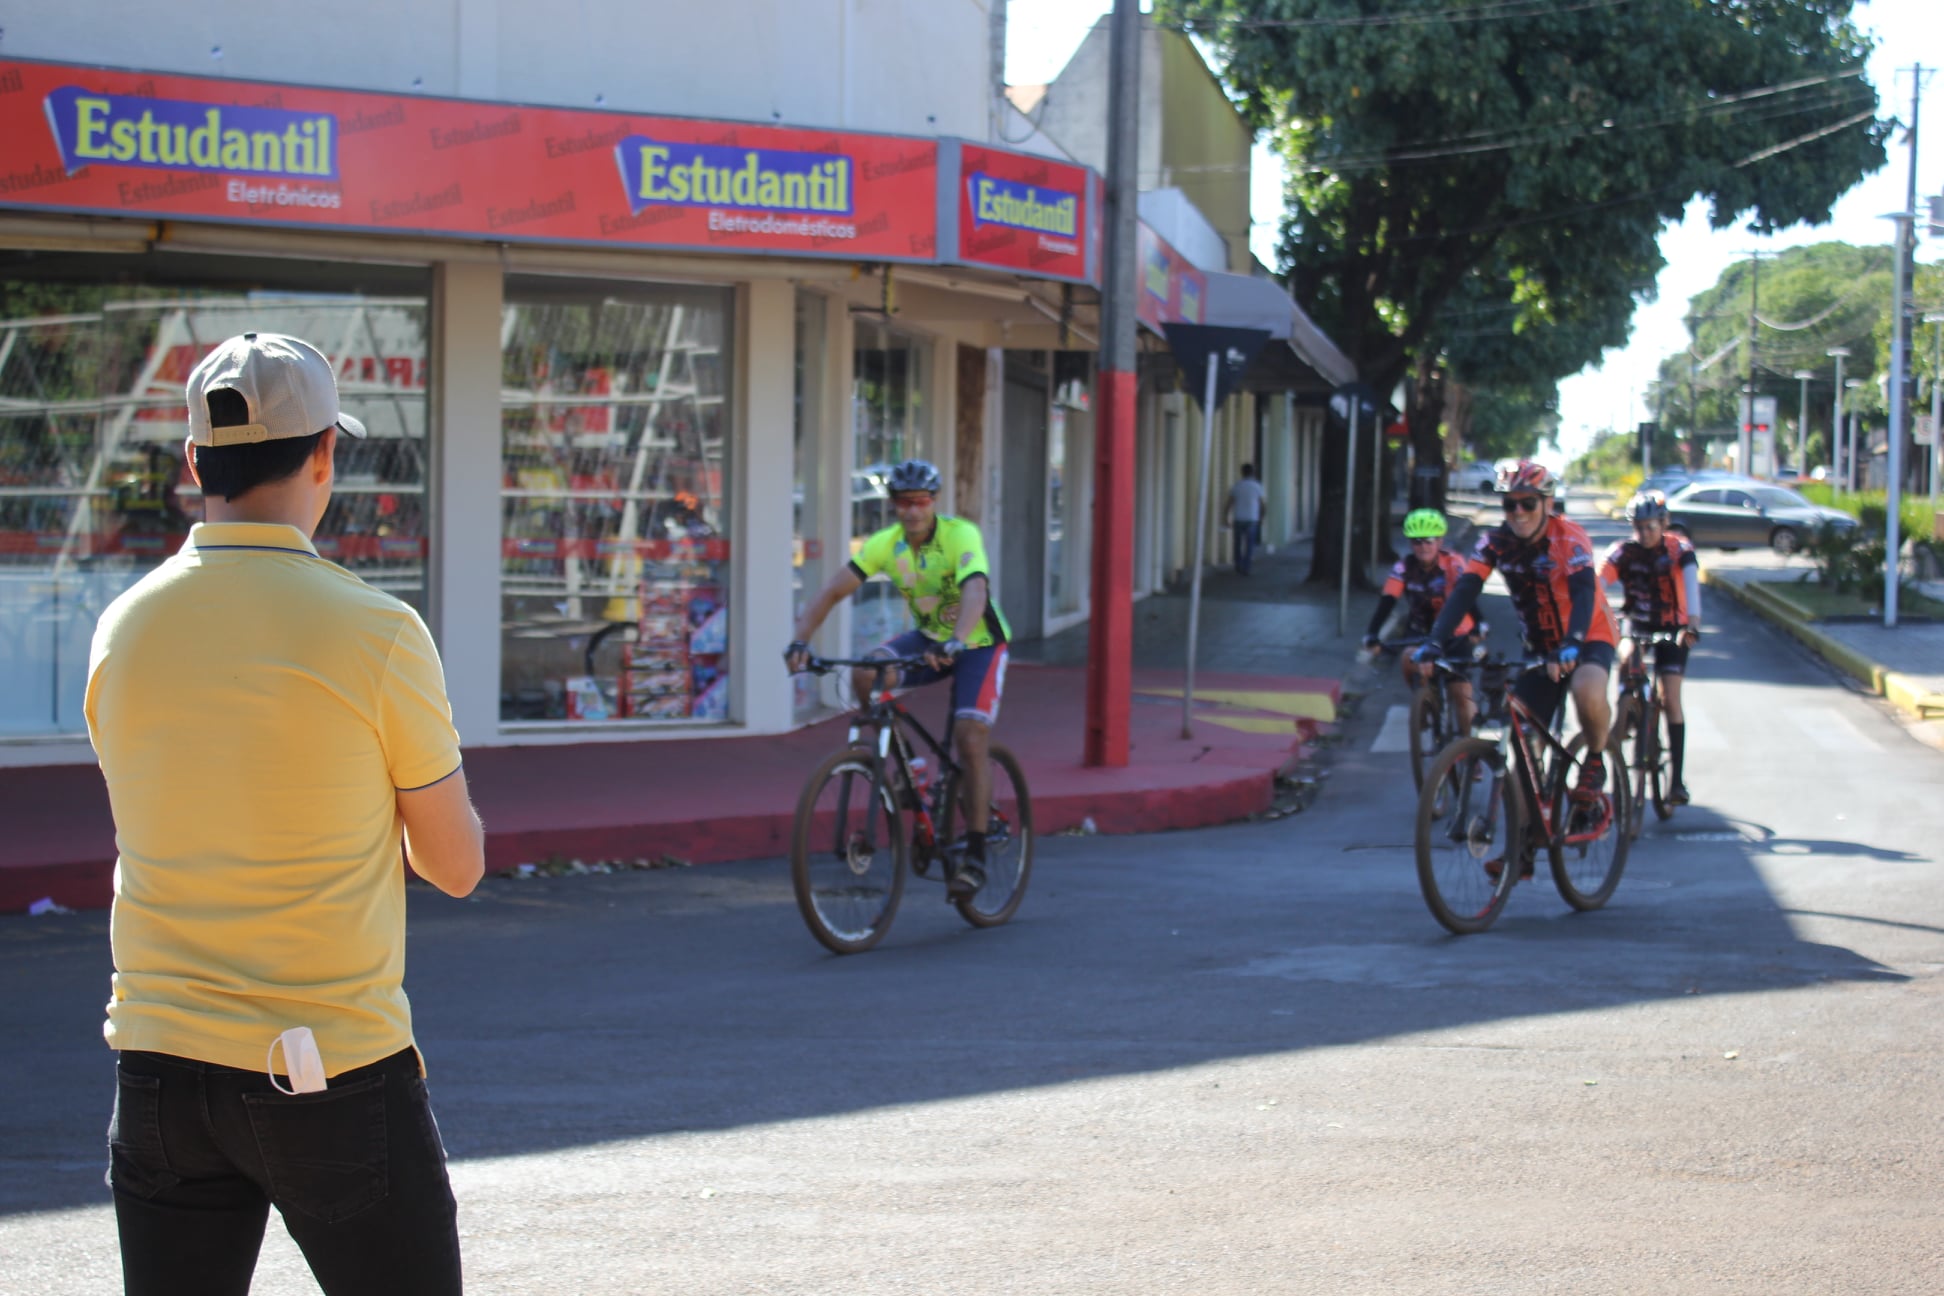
{"type": "Point", "coordinates": [271, 728]}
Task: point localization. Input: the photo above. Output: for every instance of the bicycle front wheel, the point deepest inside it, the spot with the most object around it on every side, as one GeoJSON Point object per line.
{"type": "Point", "coordinates": [1009, 841]}
{"type": "Point", "coordinates": [1654, 757]}
{"type": "Point", "coordinates": [1630, 724]}
{"type": "Point", "coordinates": [1590, 841]}
{"type": "Point", "coordinates": [848, 852]}
{"type": "Point", "coordinates": [1427, 731]}
{"type": "Point", "coordinates": [1470, 836]}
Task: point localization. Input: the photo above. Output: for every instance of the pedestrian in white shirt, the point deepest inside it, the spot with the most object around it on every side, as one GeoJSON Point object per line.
{"type": "Point", "coordinates": [1244, 513]}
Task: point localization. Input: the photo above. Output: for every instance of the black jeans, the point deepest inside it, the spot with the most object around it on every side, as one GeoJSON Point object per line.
{"type": "Point", "coordinates": [198, 1153]}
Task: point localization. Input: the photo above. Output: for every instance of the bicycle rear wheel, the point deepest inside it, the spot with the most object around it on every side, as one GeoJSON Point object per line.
{"type": "Point", "coordinates": [1009, 842]}
{"type": "Point", "coordinates": [848, 852]}
{"type": "Point", "coordinates": [1588, 856]}
{"type": "Point", "coordinates": [1470, 852]}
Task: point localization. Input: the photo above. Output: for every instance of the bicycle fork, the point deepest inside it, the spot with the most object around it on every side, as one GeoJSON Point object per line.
{"type": "Point", "coordinates": [842, 846]}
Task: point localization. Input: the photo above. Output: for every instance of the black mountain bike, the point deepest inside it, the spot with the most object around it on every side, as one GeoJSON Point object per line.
{"type": "Point", "coordinates": [1492, 801]}
{"type": "Point", "coordinates": [851, 845]}
{"type": "Point", "coordinates": [1433, 719]}
{"type": "Point", "coordinates": [1638, 716]}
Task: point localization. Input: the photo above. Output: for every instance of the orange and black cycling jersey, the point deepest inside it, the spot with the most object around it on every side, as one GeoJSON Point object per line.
{"type": "Point", "coordinates": [1653, 580]}
{"type": "Point", "coordinates": [1424, 587]}
{"type": "Point", "coordinates": [1536, 575]}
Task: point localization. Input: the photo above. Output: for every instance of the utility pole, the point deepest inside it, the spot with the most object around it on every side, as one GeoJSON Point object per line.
{"type": "Point", "coordinates": [1694, 414]}
{"type": "Point", "coordinates": [1900, 362]}
{"type": "Point", "coordinates": [1110, 632]}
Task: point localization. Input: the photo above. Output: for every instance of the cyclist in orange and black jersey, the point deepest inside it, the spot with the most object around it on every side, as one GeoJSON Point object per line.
{"type": "Point", "coordinates": [1547, 563]}
{"type": "Point", "coordinates": [1660, 581]}
{"type": "Point", "coordinates": [1424, 578]}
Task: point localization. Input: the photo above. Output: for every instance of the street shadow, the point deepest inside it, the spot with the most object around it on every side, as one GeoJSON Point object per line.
{"type": "Point", "coordinates": [559, 1012]}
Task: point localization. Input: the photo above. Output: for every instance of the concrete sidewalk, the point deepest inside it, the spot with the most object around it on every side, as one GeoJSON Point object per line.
{"type": "Point", "coordinates": [1905, 666]}
{"type": "Point", "coordinates": [1269, 679]}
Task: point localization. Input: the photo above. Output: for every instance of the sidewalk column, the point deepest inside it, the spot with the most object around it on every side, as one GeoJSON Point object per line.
{"type": "Point", "coordinates": [1110, 631]}
{"type": "Point", "coordinates": [467, 299]}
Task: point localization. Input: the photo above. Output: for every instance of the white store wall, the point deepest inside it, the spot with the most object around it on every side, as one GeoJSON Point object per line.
{"type": "Point", "coordinates": [839, 63]}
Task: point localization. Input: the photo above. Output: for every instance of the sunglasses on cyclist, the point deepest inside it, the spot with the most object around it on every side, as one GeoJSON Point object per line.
{"type": "Point", "coordinates": [1419, 542]}
{"type": "Point", "coordinates": [912, 498]}
{"type": "Point", "coordinates": [1519, 503]}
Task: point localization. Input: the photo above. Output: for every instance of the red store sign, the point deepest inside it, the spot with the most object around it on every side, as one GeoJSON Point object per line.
{"type": "Point", "coordinates": [1019, 211]}
{"type": "Point", "coordinates": [169, 147]}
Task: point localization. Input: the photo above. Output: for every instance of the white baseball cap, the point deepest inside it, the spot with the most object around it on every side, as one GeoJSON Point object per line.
{"type": "Point", "coordinates": [286, 382]}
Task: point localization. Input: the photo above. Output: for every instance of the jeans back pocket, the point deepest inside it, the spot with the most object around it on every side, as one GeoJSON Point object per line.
{"type": "Point", "coordinates": [138, 1164]}
{"type": "Point", "coordinates": [323, 1153]}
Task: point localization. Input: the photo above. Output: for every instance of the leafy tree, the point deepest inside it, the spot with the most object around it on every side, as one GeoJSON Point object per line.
{"type": "Point", "coordinates": [1809, 300]}
{"type": "Point", "coordinates": [1539, 147]}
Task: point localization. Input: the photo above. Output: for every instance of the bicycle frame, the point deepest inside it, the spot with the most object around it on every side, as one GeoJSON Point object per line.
{"type": "Point", "coordinates": [895, 724]}
{"type": "Point", "coordinates": [1517, 723]}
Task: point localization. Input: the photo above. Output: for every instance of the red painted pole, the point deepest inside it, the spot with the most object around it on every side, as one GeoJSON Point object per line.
{"type": "Point", "coordinates": [1110, 632]}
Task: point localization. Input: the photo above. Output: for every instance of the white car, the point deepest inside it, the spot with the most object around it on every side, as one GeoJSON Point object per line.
{"type": "Point", "coordinates": [1474, 476]}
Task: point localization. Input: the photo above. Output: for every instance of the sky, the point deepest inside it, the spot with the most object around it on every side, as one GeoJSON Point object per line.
{"type": "Point", "coordinates": [1042, 34]}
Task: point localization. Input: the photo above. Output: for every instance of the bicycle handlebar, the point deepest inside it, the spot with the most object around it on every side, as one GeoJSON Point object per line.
{"type": "Point", "coordinates": [824, 665]}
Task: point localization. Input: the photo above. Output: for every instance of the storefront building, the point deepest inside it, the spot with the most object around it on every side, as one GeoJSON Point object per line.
{"type": "Point", "coordinates": [633, 380]}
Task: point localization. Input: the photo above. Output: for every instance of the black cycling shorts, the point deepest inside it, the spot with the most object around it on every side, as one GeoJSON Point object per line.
{"type": "Point", "coordinates": [1542, 694]}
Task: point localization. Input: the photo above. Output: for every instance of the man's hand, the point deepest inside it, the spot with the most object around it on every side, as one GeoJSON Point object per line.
{"type": "Point", "coordinates": [1424, 654]}
{"type": "Point", "coordinates": [1564, 658]}
{"type": "Point", "coordinates": [797, 656]}
{"type": "Point", "coordinates": [943, 655]}
{"type": "Point", "coordinates": [1690, 635]}
{"type": "Point", "coordinates": [1371, 643]}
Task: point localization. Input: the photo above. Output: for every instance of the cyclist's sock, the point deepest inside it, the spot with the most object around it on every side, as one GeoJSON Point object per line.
{"type": "Point", "coordinates": [1677, 750]}
{"type": "Point", "coordinates": [975, 847]}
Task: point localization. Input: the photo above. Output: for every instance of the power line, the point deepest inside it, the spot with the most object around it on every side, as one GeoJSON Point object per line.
{"type": "Point", "coordinates": [1501, 10]}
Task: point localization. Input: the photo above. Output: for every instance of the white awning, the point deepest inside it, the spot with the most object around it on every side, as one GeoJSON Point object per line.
{"type": "Point", "coordinates": [1244, 301]}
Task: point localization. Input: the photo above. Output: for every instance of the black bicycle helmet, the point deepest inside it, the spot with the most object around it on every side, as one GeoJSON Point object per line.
{"type": "Point", "coordinates": [915, 475]}
{"type": "Point", "coordinates": [1647, 506]}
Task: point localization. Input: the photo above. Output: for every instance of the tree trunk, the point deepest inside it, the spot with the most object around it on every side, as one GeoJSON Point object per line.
{"type": "Point", "coordinates": [1431, 395]}
{"type": "Point", "coordinates": [1326, 562]}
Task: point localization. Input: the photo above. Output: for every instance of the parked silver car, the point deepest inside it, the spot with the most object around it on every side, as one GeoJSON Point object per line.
{"type": "Point", "coordinates": [1740, 513]}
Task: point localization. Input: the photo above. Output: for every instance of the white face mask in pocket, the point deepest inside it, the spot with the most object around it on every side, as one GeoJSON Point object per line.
{"type": "Point", "coordinates": [302, 1062]}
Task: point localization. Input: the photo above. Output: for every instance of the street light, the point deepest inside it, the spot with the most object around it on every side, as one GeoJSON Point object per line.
{"type": "Point", "coordinates": [1849, 473]}
{"type": "Point", "coordinates": [1937, 389]}
{"type": "Point", "coordinates": [1802, 427]}
{"type": "Point", "coordinates": [1836, 419]}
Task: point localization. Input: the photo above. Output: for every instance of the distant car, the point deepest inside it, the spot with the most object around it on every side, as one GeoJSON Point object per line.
{"type": "Point", "coordinates": [1474, 476]}
{"type": "Point", "coordinates": [1667, 480]}
{"type": "Point", "coordinates": [1738, 513]}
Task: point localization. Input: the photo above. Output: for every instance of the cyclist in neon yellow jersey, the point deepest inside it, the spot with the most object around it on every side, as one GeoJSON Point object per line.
{"type": "Point", "coordinates": [939, 565]}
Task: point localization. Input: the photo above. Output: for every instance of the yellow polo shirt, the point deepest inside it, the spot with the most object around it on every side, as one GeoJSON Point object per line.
{"type": "Point", "coordinates": [256, 709]}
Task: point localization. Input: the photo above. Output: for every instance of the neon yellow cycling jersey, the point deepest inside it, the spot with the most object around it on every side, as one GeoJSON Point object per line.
{"type": "Point", "coordinates": [930, 575]}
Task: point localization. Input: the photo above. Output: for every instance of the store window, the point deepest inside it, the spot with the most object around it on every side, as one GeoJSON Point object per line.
{"type": "Point", "coordinates": [889, 412]}
{"type": "Point", "coordinates": [1069, 482]}
{"type": "Point", "coordinates": [615, 532]}
{"type": "Point", "coordinates": [94, 490]}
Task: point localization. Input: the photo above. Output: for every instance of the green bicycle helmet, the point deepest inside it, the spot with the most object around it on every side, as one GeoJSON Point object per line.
{"type": "Point", "coordinates": [1424, 524]}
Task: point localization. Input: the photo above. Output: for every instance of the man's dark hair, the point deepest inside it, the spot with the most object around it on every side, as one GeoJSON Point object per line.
{"type": "Point", "coordinates": [1248, 470]}
{"type": "Point", "coordinates": [232, 470]}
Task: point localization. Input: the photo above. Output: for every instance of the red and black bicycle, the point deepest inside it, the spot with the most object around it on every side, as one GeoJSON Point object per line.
{"type": "Point", "coordinates": [1492, 801]}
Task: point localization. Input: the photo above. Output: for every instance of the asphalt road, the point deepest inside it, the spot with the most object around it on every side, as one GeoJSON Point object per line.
{"type": "Point", "coordinates": [1240, 1060]}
